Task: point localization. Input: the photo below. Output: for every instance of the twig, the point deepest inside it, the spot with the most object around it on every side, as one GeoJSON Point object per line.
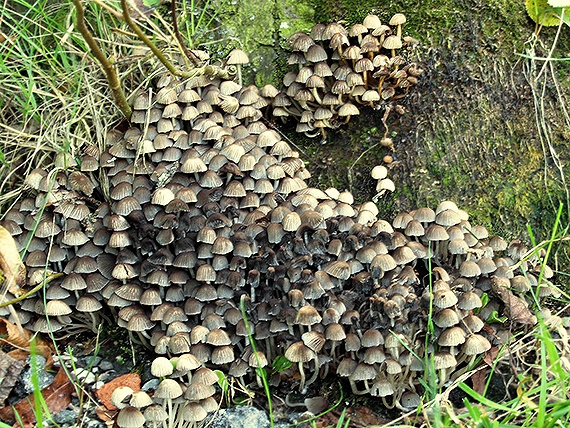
{"type": "Point", "coordinates": [210, 70]}
{"type": "Point", "coordinates": [191, 55]}
{"type": "Point", "coordinates": [543, 69]}
{"type": "Point", "coordinates": [110, 73]}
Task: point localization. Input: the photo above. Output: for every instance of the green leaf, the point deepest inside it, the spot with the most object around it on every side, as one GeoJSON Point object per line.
{"type": "Point", "coordinates": [494, 317]}
{"type": "Point", "coordinates": [152, 3]}
{"type": "Point", "coordinates": [280, 364]}
{"type": "Point", "coordinates": [542, 13]}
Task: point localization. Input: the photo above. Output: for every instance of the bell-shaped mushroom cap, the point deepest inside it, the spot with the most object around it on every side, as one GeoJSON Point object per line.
{"type": "Point", "coordinates": [139, 322]}
{"type": "Point", "coordinates": [371, 21]}
{"type": "Point", "coordinates": [57, 308]}
{"type": "Point", "coordinates": [223, 355]}
{"type": "Point", "coordinates": [444, 299]}
{"type": "Point", "coordinates": [237, 56]}
{"type": "Point", "coordinates": [308, 315]}
{"type": "Point", "coordinates": [193, 412]}
{"type": "Point", "coordinates": [384, 262]}
{"type": "Point", "coordinates": [379, 172]}
{"type": "Point", "coordinates": [155, 414]}
{"type": "Point", "coordinates": [140, 399]}
{"type": "Point", "coordinates": [392, 42]}
{"type": "Point", "coordinates": [315, 340]}
{"type": "Point", "coordinates": [469, 269]}
{"type": "Point", "coordinates": [469, 300]}
{"type": "Point", "coordinates": [338, 269]}
{"type": "Point", "coordinates": [218, 337]}
{"type": "Point", "coordinates": [88, 303]}
{"type": "Point", "coordinates": [444, 360]}
{"type": "Point", "coordinates": [446, 318]}
{"type": "Point", "coordinates": [130, 417]}
{"type": "Point", "coordinates": [363, 371]}
{"type": "Point", "coordinates": [257, 359]}
{"type": "Point", "coordinates": [436, 232]}
{"type": "Point", "coordinates": [372, 337]}
{"type": "Point", "coordinates": [398, 19]}
{"type": "Point", "coordinates": [475, 344]}
{"type": "Point", "coordinates": [161, 367]}
{"type": "Point", "coordinates": [451, 336]}
{"type": "Point", "coordinates": [168, 389]}
{"type": "Point", "coordinates": [121, 396]}
{"type": "Point", "coordinates": [199, 391]}
{"type": "Point", "coordinates": [206, 376]}
{"type": "Point", "coordinates": [298, 352]}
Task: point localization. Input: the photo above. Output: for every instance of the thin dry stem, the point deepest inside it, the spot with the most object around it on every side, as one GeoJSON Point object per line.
{"type": "Point", "coordinates": [110, 73]}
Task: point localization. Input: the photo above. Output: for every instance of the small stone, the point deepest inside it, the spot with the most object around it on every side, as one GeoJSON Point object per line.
{"type": "Point", "coordinates": [240, 417]}
{"type": "Point", "coordinates": [92, 361]}
{"type": "Point", "coordinates": [43, 378]}
{"type": "Point", "coordinates": [105, 365]}
{"type": "Point", "coordinates": [150, 385]}
{"type": "Point", "coordinates": [107, 376]}
{"type": "Point", "coordinates": [84, 375]}
{"type": "Point", "coordinates": [65, 416]}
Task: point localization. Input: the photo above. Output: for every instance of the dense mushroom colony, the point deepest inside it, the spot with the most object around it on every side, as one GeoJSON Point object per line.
{"type": "Point", "coordinates": [200, 207]}
{"type": "Point", "coordinates": [339, 69]}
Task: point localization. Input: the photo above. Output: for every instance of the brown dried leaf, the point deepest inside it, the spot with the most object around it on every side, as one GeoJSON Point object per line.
{"type": "Point", "coordinates": [144, 8]}
{"type": "Point", "coordinates": [11, 265]}
{"type": "Point", "coordinates": [106, 415]}
{"type": "Point", "coordinates": [20, 339]}
{"type": "Point", "coordinates": [56, 395]}
{"type": "Point", "coordinates": [10, 369]}
{"type": "Point", "coordinates": [132, 380]}
{"type": "Point", "coordinates": [515, 307]}
{"type": "Point", "coordinates": [491, 356]}
{"type": "Point", "coordinates": [360, 417]}
{"type": "Point", "coordinates": [479, 380]}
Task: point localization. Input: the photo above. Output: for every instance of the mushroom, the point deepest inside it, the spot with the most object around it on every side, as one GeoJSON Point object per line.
{"type": "Point", "coordinates": [398, 19]}
{"type": "Point", "coordinates": [299, 353]}
{"type": "Point", "coordinates": [392, 43]}
{"type": "Point", "coordinates": [237, 57]}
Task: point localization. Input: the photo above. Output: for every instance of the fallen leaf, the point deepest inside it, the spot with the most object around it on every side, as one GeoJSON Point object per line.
{"type": "Point", "coordinates": [106, 415]}
{"type": "Point", "coordinates": [515, 307]}
{"type": "Point", "coordinates": [11, 264]}
{"type": "Point", "coordinates": [20, 339]}
{"type": "Point", "coordinates": [491, 356]}
{"type": "Point", "coordinates": [10, 369]}
{"type": "Point", "coordinates": [360, 417]}
{"type": "Point", "coordinates": [479, 380]}
{"type": "Point", "coordinates": [132, 380]}
{"type": "Point", "coordinates": [57, 396]}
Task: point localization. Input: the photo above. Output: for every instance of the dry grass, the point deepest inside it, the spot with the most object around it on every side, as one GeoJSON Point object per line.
{"type": "Point", "coordinates": [55, 97]}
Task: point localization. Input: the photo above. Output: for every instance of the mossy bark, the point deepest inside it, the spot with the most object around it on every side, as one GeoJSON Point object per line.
{"type": "Point", "coordinates": [470, 132]}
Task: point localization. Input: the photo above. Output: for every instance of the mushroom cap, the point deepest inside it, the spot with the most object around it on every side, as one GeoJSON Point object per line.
{"type": "Point", "coordinates": [398, 19]}
{"type": "Point", "coordinates": [475, 344]}
{"type": "Point", "coordinates": [451, 336]}
{"type": "Point", "coordinates": [392, 42]}
{"type": "Point", "coordinates": [298, 352]}
{"type": "Point", "coordinates": [237, 56]}
{"type": "Point", "coordinates": [130, 417]}
{"type": "Point", "coordinates": [121, 395]}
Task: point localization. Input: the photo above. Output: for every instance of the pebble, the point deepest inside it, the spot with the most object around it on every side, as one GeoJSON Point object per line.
{"type": "Point", "coordinates": [25, 385]}
{"type": "Point", "coordinates": [150, 385]}
{"type": "Point", "coordinates": [105, 365]}
{"type": "Point", "coordinates": [84, 376]}
{"type": "Point", "coordinates": [240, 417]}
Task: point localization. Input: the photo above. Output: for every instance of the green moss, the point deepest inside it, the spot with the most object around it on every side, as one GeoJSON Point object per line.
{"type": "Point", "coordinates": [259, 28]}
{"type": "Point", "coordinates": [469, 133]}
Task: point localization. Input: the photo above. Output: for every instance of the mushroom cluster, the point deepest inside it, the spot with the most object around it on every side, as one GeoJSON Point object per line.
{"type": "Point", "coordinates": [339, 69]}
{"type": "Point", "coordinates": [184, 395]}
{"type": "Point", "coordinates": [199, 208]}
